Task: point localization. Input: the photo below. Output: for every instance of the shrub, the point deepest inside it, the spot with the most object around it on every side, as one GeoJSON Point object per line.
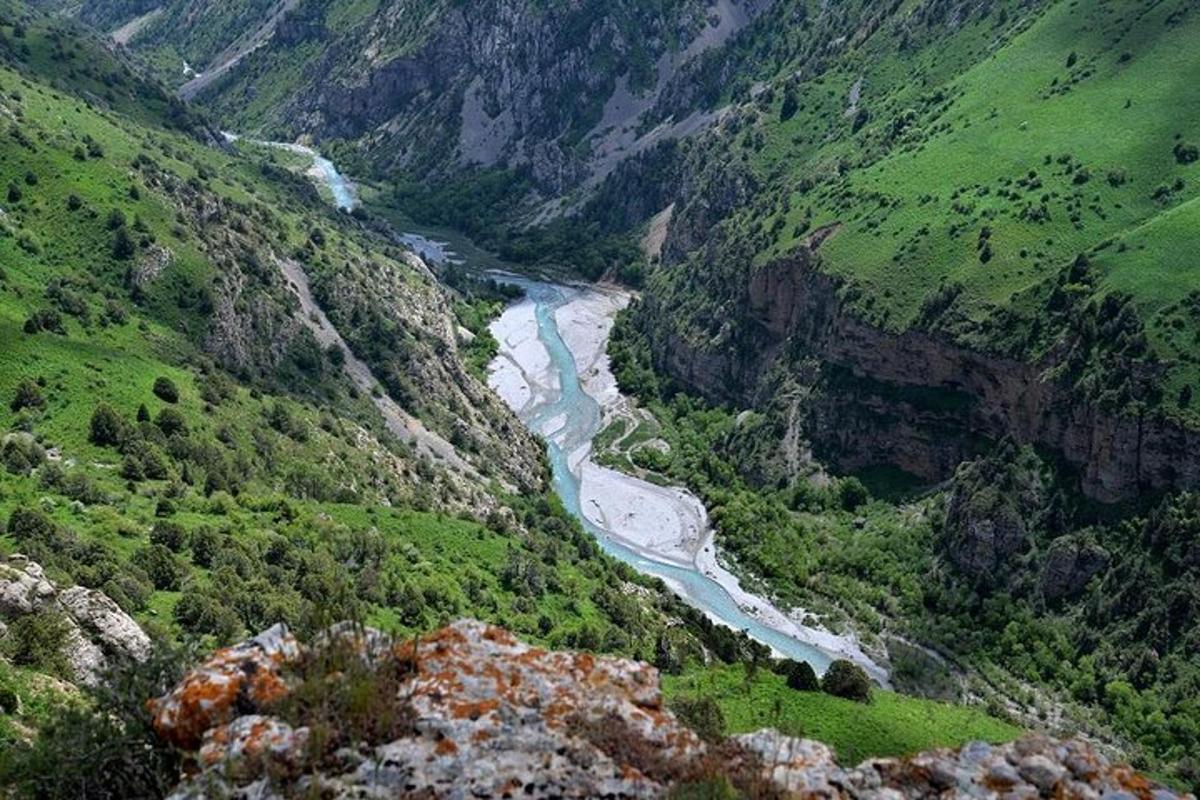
{"type": "Point", "coordinates": [166, 390]}
{"type": "Point", "coordinates": [103, 748]}
{"type": "Point", "coordinates": [800, 675]}
{"type": "Point", "coordinates": [852, 494]}
{"type": "Point", "coordinates": [38, 641]}
{"type": "Point", "coordinates": [703, 715]}
{"type": "Point", "coordinates": [123, 245]}
{"type": "Point", "coordinates": [21, 454]}
{"type": "Point", "coordinates": [847, 679]}
{"type": "Point", "coordinates": [28, 395]}
{"type": "Point", "coordinates": [161, 566]}
{"type": "Point", "coordinates": [14, 192]}
{"type": "Point", "coordinates": [170, 535]}
{"type": "Point", "coordinates": [171, 422]}
{"type": "Point", "coordinates": [107, 428]}
{"type": "Point", "coordinates": [1186, 153]}
{"type": "Point", "coordinates": [28, 525]}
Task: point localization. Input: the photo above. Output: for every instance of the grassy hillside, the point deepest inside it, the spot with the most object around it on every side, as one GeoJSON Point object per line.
{"type": "Point", "coordinates": [890, 725]}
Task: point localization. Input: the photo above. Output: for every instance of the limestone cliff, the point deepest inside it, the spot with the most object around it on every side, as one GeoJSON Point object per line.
{"type": "Point", "coordinates": [917, 399]}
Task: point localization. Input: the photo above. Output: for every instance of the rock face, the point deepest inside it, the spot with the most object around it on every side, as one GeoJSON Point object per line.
{"type": "Point", "coordinates": [487, 716]}
{"type": "Point", "coordinates": [1069, 566]}
{"type": "Point", "coordinates": [98, 631]}
{"type": "Point", "coordinates": [915, 399]}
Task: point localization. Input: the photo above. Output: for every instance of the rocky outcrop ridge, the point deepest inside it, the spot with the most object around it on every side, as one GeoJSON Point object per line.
{"type": "Point", "coordinates": [98, 632]}
{"type": "Point", "coordinates": [918, 400]}
{"type": "Point", "coordinates": [483, 715]}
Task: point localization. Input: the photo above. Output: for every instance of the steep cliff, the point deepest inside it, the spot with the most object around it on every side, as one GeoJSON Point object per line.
{"type": "Point", "coordinates": [563, 91]}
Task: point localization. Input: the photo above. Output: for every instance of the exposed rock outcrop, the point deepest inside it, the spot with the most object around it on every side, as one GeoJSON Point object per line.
{"type": "Point", "coordinates": [484, 715]}
{"type": "Point", "coordinates": [916, 399]}
{"type": "Point", "coordinates": [97, 630]}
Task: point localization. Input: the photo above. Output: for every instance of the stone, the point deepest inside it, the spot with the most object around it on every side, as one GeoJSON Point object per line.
{"type": "Point", "coordinates": [96, 613]}
{"type": "Point", "coordinates": [488, 716]}
{"type": "Point", "coordinates": [98, 630]}
{"type": "Point", "coordinates": [1041, 772]}
{"type": "Point", "coordinates": [246, 676]}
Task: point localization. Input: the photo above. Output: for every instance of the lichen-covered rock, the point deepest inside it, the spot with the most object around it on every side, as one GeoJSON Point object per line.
{"type": "Point", "coordinates": [488, 716]}
{"type": "Point", "coordinates": [234, 681]}
{"type": "Point", "coordinates": [98, 631]}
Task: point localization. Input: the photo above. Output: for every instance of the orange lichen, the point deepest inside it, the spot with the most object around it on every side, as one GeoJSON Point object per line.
{"type": "Point", "coordinates": [446, 747]}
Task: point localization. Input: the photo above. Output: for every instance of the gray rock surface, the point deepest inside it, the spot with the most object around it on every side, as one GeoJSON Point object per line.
{"type": "Point", "coordinates": [492, 717]}
{"type": "Point", "coordinates": [98, 631]}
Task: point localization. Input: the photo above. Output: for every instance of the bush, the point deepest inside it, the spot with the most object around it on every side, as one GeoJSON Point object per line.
{"type": "Point", "coordinates": [38, 641]}
{"type": "Point", "coordinates": [28, 395]}
{"type": "Point", "coordinates": [30, 526]}
{"type": "Point", "coordinates": [847, 679]}
{"type": "Point", "coordinates": [21, 454]}
{"type": "Point", "coordinates": [1186, 153]}
{"type": "Point", "coordinates": [852, 494]}
{"type": "Point", "coordinates": [170, 535]}
{"type": "Point", "coordinates": [103, 748]}
{"type": "Point", "coordinates": [703, 715]}
{"type": "Point", "coordinates": [123, 245]}
{"type": "Point", "coordinates": [800, 675]}
{"type": "Point", "coordinates": [107, 429]}
{"type": "Point", "coordinates": [166, 390]}
{"type": "Point", "coordinates": [171, 422]}
{"type": "Point", "coordinates": [161, 566]}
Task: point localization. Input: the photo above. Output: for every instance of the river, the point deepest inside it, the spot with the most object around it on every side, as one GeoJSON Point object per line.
{"type": "Point", "coordinates": [553, 371]}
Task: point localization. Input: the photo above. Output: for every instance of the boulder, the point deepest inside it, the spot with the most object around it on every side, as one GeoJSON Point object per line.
{"type": "Point", "coordinates": [98, 630]}
{"type": "Point", "coordinates": [1070, 564]}
{"type": "Point", "coordinates": [488, 716]}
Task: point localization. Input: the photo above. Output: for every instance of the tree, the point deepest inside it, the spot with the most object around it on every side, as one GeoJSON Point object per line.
{"type": "Point", "coordinates": [107, 429]}
{"type": "Point", "coordinates": [123, 246]}
{"type": "Point", "coordinates": [847, 679]}
{"type": "Point", "coordinates": [852, 494]}
{"type": "Point", "coordinates": [161, 566]}
{"type": "Point", "coordinates": [166, 390]}
{"type": "Point", "coordinates": [28, 395]}
{"type": "Point", "coordinates": [703, 715]}
{"type": "Point", "coordinates": [171, 422]}
{"type": "Point", "coordinates": [791, 104]}
{"type": "Point", "coordinates": [170, 535]}
{"type": "Point", "coordinates": [800, 675]}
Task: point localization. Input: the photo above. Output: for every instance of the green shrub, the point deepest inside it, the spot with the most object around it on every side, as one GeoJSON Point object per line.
{"type": "Point", "coordinates": [108, 429]}
{"type": "Point", "coordinates": [28, 395]}
{"type": "Point", "coordinates": [847, 679]}
{"type": "Point", "coordinates": [160, 564]}
{"type": "Point", "coordinates": [21, 454]}
{"type": "Point", "coordinates": [38, 641]}
{"type": "Point", "coordinates": [703, 715]}
{"type": "Point", "coordinates": [166, 390]}
{"type": "Point", "coordinates": [800, 675]}
{"type": "Point", "coordinates": [171, 422]}
{"type": "Point", "coordinates": [170, 535]}
{"type": "Point", "coordinates": [852, 494]}
{"type": "Point", "coordinates": [104, 748]}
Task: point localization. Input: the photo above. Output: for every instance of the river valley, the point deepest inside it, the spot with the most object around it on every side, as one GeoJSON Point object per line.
{"type": "Point", "coordinates": [553, 371]}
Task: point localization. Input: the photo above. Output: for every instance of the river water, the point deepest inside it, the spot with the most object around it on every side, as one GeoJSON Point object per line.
{"type": "Point", "coordinates": [562, 410]}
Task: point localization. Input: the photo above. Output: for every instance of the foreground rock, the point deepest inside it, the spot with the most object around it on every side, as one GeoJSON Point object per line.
{"type": "Point", "coordinates": [471, 712]}
{"type": "Point", "coordinates": [97, 633]}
